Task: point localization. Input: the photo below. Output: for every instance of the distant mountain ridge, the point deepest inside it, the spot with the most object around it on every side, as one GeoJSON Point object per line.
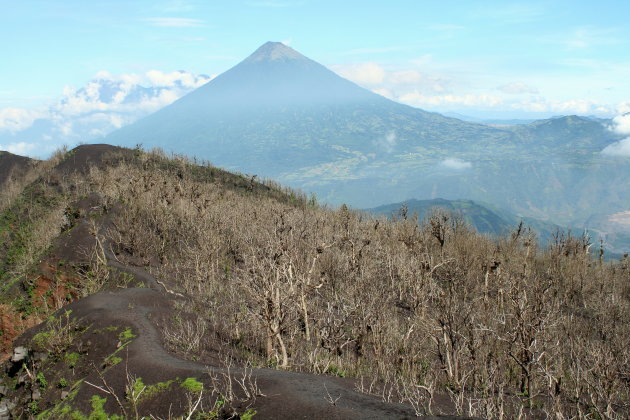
{"type": "Point", "coordinates": [483, 218]}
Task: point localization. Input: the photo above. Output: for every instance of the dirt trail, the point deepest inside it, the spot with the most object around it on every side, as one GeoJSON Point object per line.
{"type": "Point", "coordinates": [287, 394]}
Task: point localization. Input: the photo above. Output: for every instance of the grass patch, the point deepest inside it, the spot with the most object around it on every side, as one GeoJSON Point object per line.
{"type": "Point", "coordinates": [192, 385]}
{"type": "Point", "coordinates": [126, 335]}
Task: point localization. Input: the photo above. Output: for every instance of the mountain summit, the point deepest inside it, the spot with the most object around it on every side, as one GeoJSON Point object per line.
{"type": "Point", "coordinates": [273, 76]}
{"type": "Point", "coordinates": [271, 51]}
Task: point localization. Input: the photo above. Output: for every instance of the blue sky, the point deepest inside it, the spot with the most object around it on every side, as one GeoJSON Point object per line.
{"type": "Point", "coordinates": [480, 58]}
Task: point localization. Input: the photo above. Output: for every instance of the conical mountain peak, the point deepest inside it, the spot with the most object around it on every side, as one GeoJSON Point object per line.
{"type": "Point", "coordinates": [273, 51]}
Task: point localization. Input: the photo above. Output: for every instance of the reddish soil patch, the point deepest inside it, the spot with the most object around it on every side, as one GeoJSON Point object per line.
{"type": "Point", "coordinates": [47, 295]}
{"type": "Point", "coordinates": [53, 294]}
{"type": "Point", "coordinates": [12, 324]}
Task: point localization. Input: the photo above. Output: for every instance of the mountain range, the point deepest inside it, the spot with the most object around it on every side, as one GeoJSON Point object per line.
{"type": "Point", "coordinates": [281, 115]}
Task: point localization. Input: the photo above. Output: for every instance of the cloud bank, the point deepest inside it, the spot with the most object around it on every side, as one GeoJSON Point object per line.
{"type": "Point", "coordinates": [455, 164]}
{"type": "Point", "coordinates": [21, 148]}
{"type": "Point", "coordinates": [455, 93]}
{"type": "Point", "coordinates": [15, 119]}
{"type": "Point", "coordinates": [620, 148]}
{"type": "Point", "coordinates": [621, 125]}
{"type": "Point", "coordinates": [102, 105]}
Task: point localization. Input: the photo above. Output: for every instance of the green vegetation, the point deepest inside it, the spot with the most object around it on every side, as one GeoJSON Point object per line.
{"type": "Point", "coordinates": [72, 359]}
{"type": "Point", "coordinates": [33, 407]}
{"type": "Point", "coordinates": [192, 385]}
{"type": "Point", "coordinates": [156, 389]}
{"type": "Point", "coordinates": [113, 360]}
{"type": "Point", "coordinates": [26, 229]}
{"type": "Point", "coordinates": [41, 379]}
{"type": "Point", "coordinates": [248, 414]}
{"type": "Point", "coordinates": [126, 335]}
{"type": "Point", "coordinates": [59, 333]}
{"type": "Point", "coordinates": [98, 411]}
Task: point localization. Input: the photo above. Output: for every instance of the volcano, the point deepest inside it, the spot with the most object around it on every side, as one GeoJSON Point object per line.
{"type": "Point", "coordinates": [279, 112]}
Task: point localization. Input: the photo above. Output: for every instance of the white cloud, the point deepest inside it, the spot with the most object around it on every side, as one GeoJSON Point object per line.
{"type": "Point", "coordinates": [384, 92]}
{"type": "Point", "coordinates": [363, 74]}
{"type": "Point", "coordinates": [469, 100]}
{"type": "Point", "coordinates": [187, 80]}
{"type": "Point", "coordinates": [573, 106]}
{"type": "Point", "coordinates": [455, 164]}
{"type": "Point", "coordinates": [623, 107]}
{"type": "Point", "coordinates": [16, 119]}
{"type": "Point", "coordinates": [517, 88]}
{"type": "Point", "coordinates": [102, 105]}
{"type": "Point", "coordinates": [387, 143]}
{"type": "Point", "coordinates": [406, 77]}
{"type": "Point", "coordinates": [620, 148]}
{"type": "Point", "coordinates": [374, 76]}
{"type": "Point", "coordinates": [489, 101]}
{"type": "Point", "coordinates": [621, 124]}
{"type": "Point", "coordinates": [425, 84]}
{"type": "Point", "coordinates": [127, 93]}
{"type": "Point", "coordinates": [20, 148]}
{"type": "Point", "coordinates": [174, 22]}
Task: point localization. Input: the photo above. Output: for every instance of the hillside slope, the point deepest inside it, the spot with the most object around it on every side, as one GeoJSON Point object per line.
{"type": "Point", "coordinates": [13, 166]}
{"type": "Point", "coordinates": [106, 351]}
{"type": "Point", "coordinates": [156, 286]}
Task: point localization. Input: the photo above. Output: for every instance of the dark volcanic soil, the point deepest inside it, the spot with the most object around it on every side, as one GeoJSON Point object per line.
{"type": "Point", "coordinates": [287, 394]}
{"type": "Point", "coordinates": [11, 164]}
{"type": "Point", "coordinates": [82, 157]}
